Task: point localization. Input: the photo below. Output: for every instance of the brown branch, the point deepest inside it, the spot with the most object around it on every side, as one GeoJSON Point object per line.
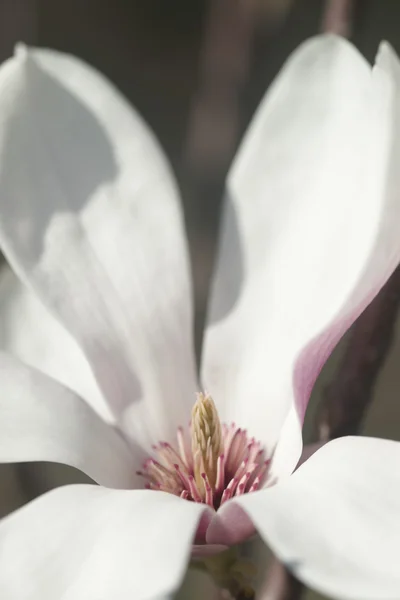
{"type": "Point", "coordinates": [214, 120]}
{"type": "Point", "coordinates": [337, 17]}
{"type": "Point", "coordinates": [213, 128]}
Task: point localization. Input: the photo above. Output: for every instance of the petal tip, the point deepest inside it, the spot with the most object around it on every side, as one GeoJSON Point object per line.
{"type": "Point", "coordinates": [329, 41]}
{"type": "Point", "coordinates": [385, 55]}
{"type": "Point", "coordinates": [21, 52]}
{"type": "Point", "coordinates": [329, 50]}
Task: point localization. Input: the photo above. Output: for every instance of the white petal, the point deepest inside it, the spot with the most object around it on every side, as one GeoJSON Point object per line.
{"type": "Point", "coordinates": [88, 543]}
{"type": "Point", "coordinates": [90, 218]}
{"type": "Point", "coordinates": [41, 420]}
{"type": "Point", "coordinates": [29, 332]}
{"type": "Point", "coordinates": [310, 235]}
{"type": "Point", "coordinates": [335, 521]}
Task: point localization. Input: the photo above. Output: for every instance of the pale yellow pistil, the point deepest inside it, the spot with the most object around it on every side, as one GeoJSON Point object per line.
{"type": "Point", "coordinates": [207, 442]}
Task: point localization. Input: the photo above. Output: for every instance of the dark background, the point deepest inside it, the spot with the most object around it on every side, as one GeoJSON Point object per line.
{"type": "Point", "coordinates": [159, 53]}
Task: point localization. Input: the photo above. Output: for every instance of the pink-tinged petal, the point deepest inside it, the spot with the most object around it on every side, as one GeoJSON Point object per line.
{"type": "Point", "coordinates": [289, 446]}
{"type": "Point", "coordinates": [87, 542]}
{"type": "Point", "coordinates": [335, 522]}
{"type": "Point", "coordinates": [308, 451]}
{"type": "Point", "coordinates": [230, 525]}
{"type": "Point", "coordinates": [309, 236]}
{"type": "Point", "coordinates": [200, 537]}
{"type": "Point", "coordinates": [29, 332]}
{"type": "Point", "coordinates": [90, 219]}
{"type": "Point", "coordinates": [41, 420]}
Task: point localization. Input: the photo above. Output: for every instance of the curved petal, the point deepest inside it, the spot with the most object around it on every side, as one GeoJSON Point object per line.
{"type": "Point", "coordinates": [29, 332]}
{"type": "Point", "coordinates": [41, 420]}
{"type": "Point", "coordinates": [91, 542]}
{"type": "Point", "coordinates": [234, 526]}
{"type": "Point", "coordinates": [335, 521]}
{"type": "Point", "coordinates": [309, 237]}
{"type": "Point", "coordinates": [90, 219]}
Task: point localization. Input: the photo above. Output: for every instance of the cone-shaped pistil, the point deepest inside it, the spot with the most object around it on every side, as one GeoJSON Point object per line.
{"type": "Point", "coordinates": [207, 442]}
{"type": "Point", "coordinates": [209, 462]}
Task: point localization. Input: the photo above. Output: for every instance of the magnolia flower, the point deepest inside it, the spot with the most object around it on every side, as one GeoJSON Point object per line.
{"type": "Point", "coordinates": [91, 222]}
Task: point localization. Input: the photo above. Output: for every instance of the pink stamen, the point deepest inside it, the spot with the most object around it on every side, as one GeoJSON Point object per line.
{"type": "Point", "coordinates": [194, 491]}
{"type": "Point", "coordinates": [242, 468]}
{"type": "Point", "coordinates": [255, 486]}
{"type": "Point", "coordinates": [209, 492]}
{"type": "Point", "coordinates": [225, 496]}
{"type": "Point", "coordinates": [234, 444]}
{"type": "Point", "coordinates": [243, 482]}
{"type": "Point", "coordinates": [170, 453]}
{"type": "Point", "coordinates": [229, 490]}
{"type": "Point", "coordinates": [182, 476]}
{"type": "Point", "coordinates": [254, 451]}
{"type": "Point", "coordinates": [240, 490]}
{"type": "Point", "coordinates": [263, 469]}
{"type": "Point", "coordinates": [219, 484]}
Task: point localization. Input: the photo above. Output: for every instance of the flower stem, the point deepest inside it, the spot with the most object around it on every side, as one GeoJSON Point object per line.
{"type": "Point", "coordinates": [232, 573]}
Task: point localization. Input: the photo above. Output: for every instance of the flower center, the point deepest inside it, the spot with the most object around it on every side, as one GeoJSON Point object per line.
{"type": "Point", "coordinates": [210, 463]}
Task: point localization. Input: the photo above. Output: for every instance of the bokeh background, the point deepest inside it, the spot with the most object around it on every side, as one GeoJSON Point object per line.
{"type": "Point", "coordinates": [196, 70]}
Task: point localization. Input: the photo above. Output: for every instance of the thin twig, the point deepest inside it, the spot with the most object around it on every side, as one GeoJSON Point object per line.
{"type": "Point", "coordinates": [213, 124]}
{"type": "Point", "coordinates": [213, 130]}
{"type": "Point", "coordinates": [337, 17]}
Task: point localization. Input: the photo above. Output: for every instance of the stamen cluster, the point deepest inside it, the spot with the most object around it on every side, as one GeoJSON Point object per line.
{"type": "Point", "coordinates": [211, 462]}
